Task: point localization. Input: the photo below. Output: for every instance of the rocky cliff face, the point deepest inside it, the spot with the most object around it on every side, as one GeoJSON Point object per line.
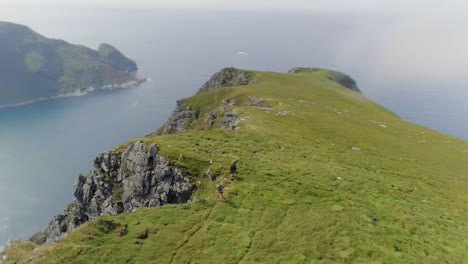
{"type": "Point", "coordinates": [122, 182]}
{"type": "Point", "coordinates": [184, 114]}
{"type": "Point", "coordinates": [227, 77]}
{"type": "Point", "coordinates": [179, 119]}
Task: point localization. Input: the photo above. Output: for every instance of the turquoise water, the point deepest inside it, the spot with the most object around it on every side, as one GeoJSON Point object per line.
{"type": "Point", "coordinates": [46, 145]}
{"type": "Point", "coordinates": [43, 147]}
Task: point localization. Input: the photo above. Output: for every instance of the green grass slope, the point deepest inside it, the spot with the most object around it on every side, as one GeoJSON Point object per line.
{"type": "Point", "coordinates": [302, 194]}
{"type": "Point", "coordinates": [33, 66]}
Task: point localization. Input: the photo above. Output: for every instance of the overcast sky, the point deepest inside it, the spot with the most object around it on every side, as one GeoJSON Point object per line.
{"type": "Point", "coordinates": [426, 37]}
{"type": "Point", "coordinates": [456, 6]}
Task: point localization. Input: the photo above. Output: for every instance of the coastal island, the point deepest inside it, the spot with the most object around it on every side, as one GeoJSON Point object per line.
{"type": "Point", "coordinates": [35, 68]}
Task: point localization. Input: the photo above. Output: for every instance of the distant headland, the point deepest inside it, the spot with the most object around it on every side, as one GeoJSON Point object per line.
{"type": "Point", "coordinates": [35, 68]}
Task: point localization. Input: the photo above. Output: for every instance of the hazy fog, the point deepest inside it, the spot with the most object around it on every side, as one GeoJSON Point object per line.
{"type": "Point", "coordinates": [422, 37]}
{"type": "Point", "coordinates": [410, 57]}
{"type": "Point", "coordinates": [450, 7]}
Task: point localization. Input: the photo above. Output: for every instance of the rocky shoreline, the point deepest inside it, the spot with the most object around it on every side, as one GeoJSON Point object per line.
{"type": "Point", "coordinates": [80, 92]}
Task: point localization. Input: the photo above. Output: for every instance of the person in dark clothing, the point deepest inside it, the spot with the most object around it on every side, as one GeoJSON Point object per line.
{"type": "Point", "coordinates": [219, 192]}
{"type": "Point", "coordinates": [233, 170]}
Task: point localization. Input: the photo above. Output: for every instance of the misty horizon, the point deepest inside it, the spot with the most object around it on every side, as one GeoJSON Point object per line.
{"type": "Point", "coordinates": [413, 62]}
{"type": "Point", "coordinates": [399, 51]}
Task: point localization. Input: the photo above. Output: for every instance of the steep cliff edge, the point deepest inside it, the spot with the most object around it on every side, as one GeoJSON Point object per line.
{"type": "Point", "coordinates": [184, 115]}
{"type": "Point", "coordinates": [325, 175]}
{"type": "Point", "coordinates": [145, 179]}
{"type": "Point", "coordinates": [228, 77]}
{"type": "Point", "coordinates": [122, 182]}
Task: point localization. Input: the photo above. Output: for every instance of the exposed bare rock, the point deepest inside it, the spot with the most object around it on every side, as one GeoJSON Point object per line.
{"type": "Point", "coordinates": [179, 119]}
{"type": "Point", "coordinates": [122, 182]}
{"type": "Point", "coordinates": [184, 114]}
{"type": "Point", "coordinates": [230, 120]}
{"type": "Point", "coordinates": [258, 102]}
{"type": "Point", "coordinates": [227, 77]}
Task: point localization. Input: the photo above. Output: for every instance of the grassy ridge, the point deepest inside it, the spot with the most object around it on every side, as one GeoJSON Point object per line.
{"type": "Point", "coordinates": [303, 195]}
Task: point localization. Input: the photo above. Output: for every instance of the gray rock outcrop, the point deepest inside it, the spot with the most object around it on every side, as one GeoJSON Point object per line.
{"type": "Point", "coordinates": [227, 77]}
{"type": "Point", "coordinates": [178, 121]}
{"type": "Point", "coordinates": [229, 119]}
{"type": "Point", "coordinates": [122, 182]}
{"type": "Point", "coordinates": [339, 77]}
{"type": "Point", "coordinates": [183, 116]}
{"type": "Point", "coordinates": [258, 102]}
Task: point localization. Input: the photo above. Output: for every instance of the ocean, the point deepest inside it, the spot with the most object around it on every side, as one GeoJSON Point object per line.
{"type": "Point", "coordinates": [45, 146]}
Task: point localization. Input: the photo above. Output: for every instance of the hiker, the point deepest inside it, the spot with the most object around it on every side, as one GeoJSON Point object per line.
{"type": "Point", "coordinates": [233, 170]}
{"type": "Point", "coordinates": [219, 192]}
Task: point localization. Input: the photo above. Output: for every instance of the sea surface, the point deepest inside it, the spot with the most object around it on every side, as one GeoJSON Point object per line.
{"type": "Point", "coordinates": [45, 146]}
